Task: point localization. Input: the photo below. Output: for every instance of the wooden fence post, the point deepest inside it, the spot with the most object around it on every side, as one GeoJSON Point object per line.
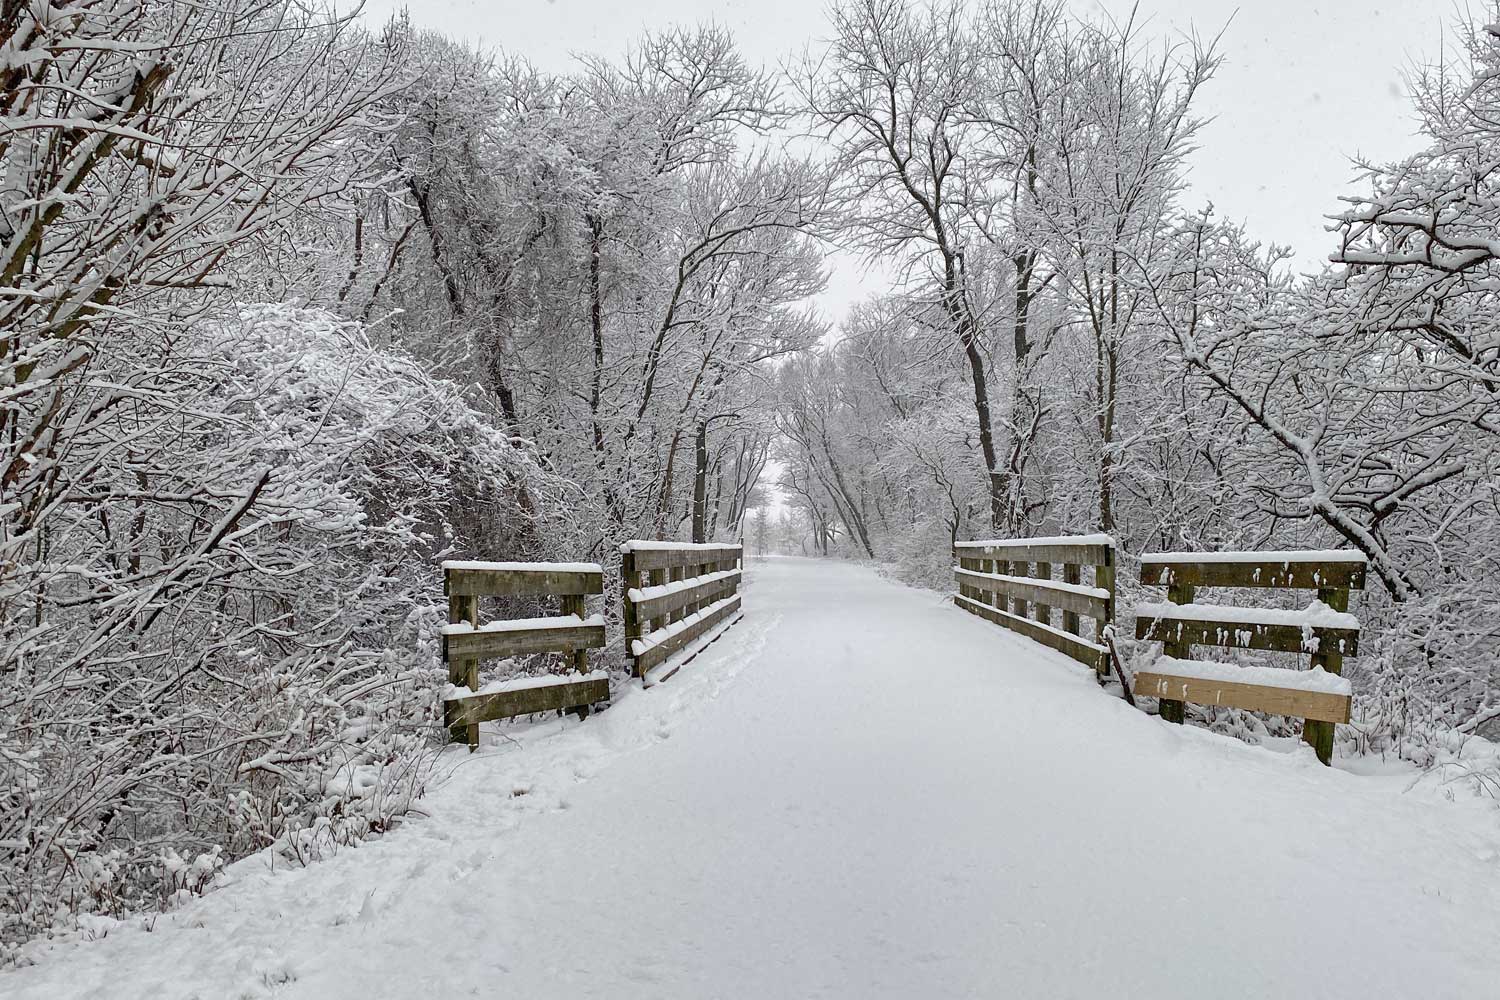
{"type": "Point", "coordinates": [1320, 734]}
{"type": "Point", "coordinates": [1072, 573]}
{"type": "Point", "coordinates": [674, 575]}
{"type": "Point", "coordinates": [1177, 593]}
{"type": "Point", "coordinates": [1043, 611]}
{"type": "Point", "coordinates": [1104, 577]}
{"type": "Point", "coordinates": [577, 604]}
{"type": "Point", "coordinates": [628, 578]}
{"type": "Point", "coordinates": [462, 672]}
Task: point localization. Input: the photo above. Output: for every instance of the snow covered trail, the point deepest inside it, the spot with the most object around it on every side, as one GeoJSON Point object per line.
{"type": "Point", "coordinates": [861, 792]}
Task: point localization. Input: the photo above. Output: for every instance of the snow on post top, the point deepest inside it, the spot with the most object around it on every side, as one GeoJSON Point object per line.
{"type": "Point", "coordinates": [992, 543]}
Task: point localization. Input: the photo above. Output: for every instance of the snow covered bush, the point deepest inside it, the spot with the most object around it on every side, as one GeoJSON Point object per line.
{"type": "Point", "coordinates": [231, 647]}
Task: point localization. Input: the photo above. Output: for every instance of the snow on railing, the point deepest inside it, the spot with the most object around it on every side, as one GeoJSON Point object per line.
{"type": "Point", "coordinates": [1278, 556]}
{"type": "Point", "coordinates": [1315, 614]}
{"type": "Point", "coordinates": [1316, 679]}
{"type": "Point", "coordinates": [524, 568]}
{"type": "Point", "coordinates": [637, 545]}
{"type": "Point", "coordinates": [996, 543]}
{"type": "Point", "coordinates": [1324, 630]}
{"type": "Point", "coordinates": [676, 593]}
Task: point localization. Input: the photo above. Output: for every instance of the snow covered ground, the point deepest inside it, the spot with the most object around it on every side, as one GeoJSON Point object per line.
{"type": "Point", "coordinates": [861, 792]}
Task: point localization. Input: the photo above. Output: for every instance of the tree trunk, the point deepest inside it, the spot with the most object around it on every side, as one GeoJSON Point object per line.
{"type": "Point", "coordinates": [596, 324]}
{"type": "Point", "coordinates": [700, 483]}
{"type": "Point", "coordinates": [964, 326]}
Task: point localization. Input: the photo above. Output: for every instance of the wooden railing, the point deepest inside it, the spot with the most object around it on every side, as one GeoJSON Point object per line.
{"type": "Point", "coordinates": [1010, 582]}
{"type": "Point", "coordinates": [676, 593]}
{"type": "Point", "coordinates": [467, 641]}
{"type": "Point", "coordinates": [1325, 631]}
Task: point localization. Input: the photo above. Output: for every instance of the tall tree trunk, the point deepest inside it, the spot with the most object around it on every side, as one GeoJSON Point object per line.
{"type": "Point", "coordinates": [968, 336]}
{"type": "Point", "coordinates": [596, 325]}
{"type": "Point", "coordinates": [1106, 375]}
{"type": "Point", "coordinates": [1013, 476]}
{"type": "Point", "coordinates": [700, 483]}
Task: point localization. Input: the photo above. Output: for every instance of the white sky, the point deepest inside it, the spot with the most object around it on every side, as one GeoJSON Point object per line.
{"type": "Point", "coordinates": [1305, 85]}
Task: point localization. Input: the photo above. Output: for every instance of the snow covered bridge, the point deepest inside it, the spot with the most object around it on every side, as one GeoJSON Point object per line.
{"type": "Point", "coordinates": [861, 792]}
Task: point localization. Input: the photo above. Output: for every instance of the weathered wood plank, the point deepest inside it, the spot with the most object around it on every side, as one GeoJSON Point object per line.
{"type": "Point", "coordinates": [1080, 650]}
{"type": "Point", "coordinates": [1243, 635]}
{"type": "Point", "coordinates": [485, 645]}
{"type": "Point", "coordinates": [1316, 705]}
{"type": "Point", "coordinates": [1309, 575]}
{"type": "Point", "coordinates": [703, 593]}
{"type": "Point", "coordinates": [649, 559]}
{"type": "Point", "coordinates": [520, 582]}
{"type": "Point", "coordinates": [477, 708]}
{"type": "Point", "coordinates": [1082, 555]}
{"type": "Point", "coordinates": [661, 650]}
{"type": "Point", "coordinates": [1036, 592]}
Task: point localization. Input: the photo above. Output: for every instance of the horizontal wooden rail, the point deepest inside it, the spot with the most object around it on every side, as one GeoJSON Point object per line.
{"type": "Point", "coordinates": [476, 708]}
{"type": "Point", "coordinates": [655, 653]}
{"type": "Point", "coordinates": [1231, 634]}
{"type": "Point", "coordinates": [1081, 600]}
{"type": "Point", "coordinates": [1276, 570]}
{"type": "Point", "coordinates": [1319, 706]}
{"type": "Point", "coordinates": [713, 587]}
{"type": "Point", "coordinates": [670, 555]}
{"type": "Point", "coordinates": [556, 635]}
{"type": "Point", "coordinates": [1091, 550]}
{"type": "Point", "coordinates": [463, 578]}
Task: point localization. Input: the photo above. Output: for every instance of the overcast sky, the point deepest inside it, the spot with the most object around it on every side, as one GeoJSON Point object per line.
{"type": "Point", "coordinates": [1305, 84]}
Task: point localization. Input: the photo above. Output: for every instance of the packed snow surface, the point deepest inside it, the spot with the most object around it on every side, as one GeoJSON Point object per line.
{"type": "Point", "coordinates": [1316, 679]}
{"type": "Point", "coordinates": [860, 792]}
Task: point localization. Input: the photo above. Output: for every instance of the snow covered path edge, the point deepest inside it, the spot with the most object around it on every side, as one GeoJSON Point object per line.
{"type": "Point", "coordinates": [473, 803]}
